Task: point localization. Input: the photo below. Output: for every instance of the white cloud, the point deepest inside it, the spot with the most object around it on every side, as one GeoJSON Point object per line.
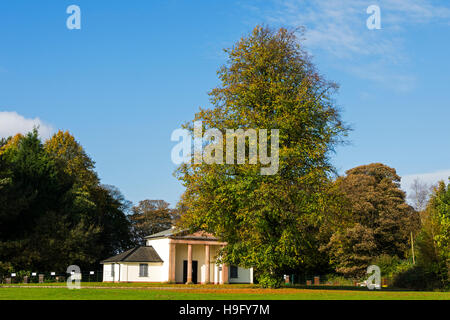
{"type": "Point", "coordinates": [12, 123]}
{"type": "Point", "coordinates": [430, 178]}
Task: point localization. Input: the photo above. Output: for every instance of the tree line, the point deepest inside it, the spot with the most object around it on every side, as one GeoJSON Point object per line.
{"type": "Point", "coordinates": [54, 212]}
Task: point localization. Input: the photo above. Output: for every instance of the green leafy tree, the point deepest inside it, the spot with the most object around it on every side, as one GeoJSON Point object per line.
{"type": "Point", "coordinates": [434, 238]}
{"type": "Point", "coordinates": [268, 82]}
{"type": "Point", "coordinates": [30, 185]}
{"type": "Point", "coordinates": [53, 211]}
{"type": "Point", "coordinates": [31, 192]}
{"type": "Point", "coordinates": [111, 215]}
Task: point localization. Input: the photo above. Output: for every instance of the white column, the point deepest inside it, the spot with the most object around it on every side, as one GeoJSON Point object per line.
{"type": "Point", "coordinates": [216, 274]}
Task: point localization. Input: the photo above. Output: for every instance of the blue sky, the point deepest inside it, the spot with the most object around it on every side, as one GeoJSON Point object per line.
{"type": "Point", "coordinates": [136, 70]}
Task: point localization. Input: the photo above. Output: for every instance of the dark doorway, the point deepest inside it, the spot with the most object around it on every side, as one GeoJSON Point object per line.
{"type": "Point", "coordinates": [194, 271]}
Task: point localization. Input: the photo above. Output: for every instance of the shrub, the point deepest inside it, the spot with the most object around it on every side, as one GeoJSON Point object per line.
{"type": "Point", "coordinates": [390, 266]}
{"type": "Point", "coordinates": [417, 278]}
{"type": "Point", "coordinates": [340, 280]}
{"type": "Point", "coordinates": [269, 281]}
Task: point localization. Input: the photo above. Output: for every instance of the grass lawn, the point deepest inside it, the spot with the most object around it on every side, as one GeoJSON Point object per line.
{"type": "Point", "coordinates": [145, 291]}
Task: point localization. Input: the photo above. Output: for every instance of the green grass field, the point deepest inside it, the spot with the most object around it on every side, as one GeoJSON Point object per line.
{"type": "Point", "coordinates": [131, 291]}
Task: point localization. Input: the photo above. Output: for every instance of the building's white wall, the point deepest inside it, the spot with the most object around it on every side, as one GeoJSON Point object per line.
{"type": "Point", "coordinates": [161, 246]}
{"type": "Point", "coordinates": [244, 276]}
{"type": "Point", "coordinates": [130, 272]}
{"type": "Point", "coordinates": [107, 276]}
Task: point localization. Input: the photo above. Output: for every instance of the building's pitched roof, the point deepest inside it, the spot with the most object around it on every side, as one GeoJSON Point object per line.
{"type": "Point", "coordinates": [174, 233]}
{"type": "Point", "coordinates": [164, 234]}
{"type": "Point", "coordinates": [199, 235]}
{"type": "Point", "coordinates": [137, 254]}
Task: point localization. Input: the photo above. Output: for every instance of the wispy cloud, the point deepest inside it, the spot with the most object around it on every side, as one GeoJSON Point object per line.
{"type": "Point", "coordinates": [12, 123]}
{"type": "Point", "coordinates": [430, 178]}
{"type": "Point", "coordinates": [338, 27]}
{"type": "Point", "coordinates": [415, 11]}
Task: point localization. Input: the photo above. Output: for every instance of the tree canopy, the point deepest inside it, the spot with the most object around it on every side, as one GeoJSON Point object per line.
{"type": "Point", "coordinates": [53, 210]}
{"type": "Point", "coordinates": [268, 82]}
{"type": "Point", "coordinates": [379, 221]}
{"type": "Point", "coordinates": [151, 216]}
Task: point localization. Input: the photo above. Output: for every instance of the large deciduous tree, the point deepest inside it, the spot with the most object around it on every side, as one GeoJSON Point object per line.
{"type": "Point", "coordinates": [268, 221]}
{"type": "Point", "coordinates": [379, 221]}
{"type": "Point", "coordinates": [149, 217]}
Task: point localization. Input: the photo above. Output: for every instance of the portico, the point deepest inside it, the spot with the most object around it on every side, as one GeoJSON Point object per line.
{"type": "Point", "coordinates": [192, 258]}
{"type": "Point", "coordinates": [194, 261]}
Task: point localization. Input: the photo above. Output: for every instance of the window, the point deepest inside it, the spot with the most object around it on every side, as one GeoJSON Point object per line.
{"type": "Point", "coordinates": [143, 270]}
{"type": "Point", "coordinates": [112, 270]}
{"type": "Point", "coordinates": [234, 272]}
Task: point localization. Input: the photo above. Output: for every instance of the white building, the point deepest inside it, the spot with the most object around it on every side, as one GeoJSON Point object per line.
{"type": "Point", "coordinates": [177, 257]}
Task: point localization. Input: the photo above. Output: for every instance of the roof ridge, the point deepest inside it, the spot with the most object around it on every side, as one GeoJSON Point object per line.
{"type": "Point", "coordinates": [165, 233]}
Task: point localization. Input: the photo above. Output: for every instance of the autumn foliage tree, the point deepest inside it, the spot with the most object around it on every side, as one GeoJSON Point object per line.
{"type": "Point", "coordinates": [379, 220]}
{"type": "Point", "coordinates": [268, 82]}
{"type": "Point", "coordinates": [149, 217]}
{"type": "Point", "coordinates": [71, 158]}
{"type": "Point", "coordinates": [53, 210]}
